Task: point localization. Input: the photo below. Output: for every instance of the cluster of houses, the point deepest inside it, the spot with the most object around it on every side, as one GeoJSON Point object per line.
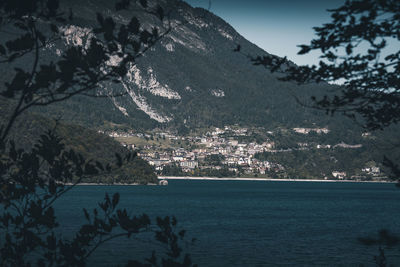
{"type": "Point", "coordinates": [234, 154]}
{"type": "Point", "coordinates": [226, 144]}
{"type": "Point", "coordinates": [373, 172]}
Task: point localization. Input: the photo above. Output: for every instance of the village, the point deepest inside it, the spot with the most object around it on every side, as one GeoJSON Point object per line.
{"type": "Point", "coordinates": [225, 149]}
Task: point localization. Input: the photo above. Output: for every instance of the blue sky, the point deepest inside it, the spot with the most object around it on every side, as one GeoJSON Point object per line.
{"type": "Point", "coordinates": [277, 26]}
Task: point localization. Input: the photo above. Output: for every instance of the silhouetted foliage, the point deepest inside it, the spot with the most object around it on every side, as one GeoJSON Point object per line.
{"type": "Point", "coordinates": [360, 54]}
{"type": "Point", "coordinates": [106, 56]}
{"type": "Point", "coordinates": [360, 51]}
{"type": "Point", "coordinates": [385, 239]}
{"type": "Point", "coordinates": [32, 180]}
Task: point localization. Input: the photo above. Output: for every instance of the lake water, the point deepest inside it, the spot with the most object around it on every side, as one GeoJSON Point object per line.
{"type": "Point", "coordinates": [253, 223]}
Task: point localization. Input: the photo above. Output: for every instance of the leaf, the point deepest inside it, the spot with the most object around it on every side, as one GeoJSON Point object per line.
{"type": "Point", "coordinates": [112, 47]}
{"type": "Point", "coordinates": [106, 204]}
{"type": "Point", "coordinates": [2, 50]}
{"type": "Point", "coordinates": [145, 37]}
{"type": "Point", "coordinates": [109, 26]}
{"type": "Point", "coordinates": [160, 12]}
{"type": "Point", "coordinates": [123, 4]}
{"type": "Point", "coordinates": [24, 42]}
{"type": "Point", "coordinates": [143, 3]}
{"type": "Point", "coordinates": [13, 152]}
{"type": "Point", "coordinates": [86, 214]}
{"type": "Point", "coordinates": [61, 20]}
{"type": "Point", "coordinates": [51, 242]}
{"type": "Point", "coordinates": [107, 198]}
{"type": "Point", "coordinates": [21, 26]}
{"type": "Point", "coordinates": [53, 28]}
{"type": "Point", "coordinates": [115, 200]}
{"type": "Point", "coordinates": [70, 14]}
{"type": "Point", "coordinates": [304, 49]}
{"type": "Point", "coordinates": [13, 57]}
{"type": "Point", "coordinates": [134, 25]}
{"type": "Point", "coordinates": [349, 49]}
{"type": "Point", "coordinates": [123, 35]}
{"type": "Point", "coordinates": [100, 19]}
{"type": "Point", "coordinates": [135, 46]}
{"type": "Point", "coordinates": [52, 7]}
{"type": "Point", "coordinates": [19, 80]}
{"type": "Point", "coordinates": [182, 234]}
{"type": "Point", "coordinates": [154, 32]}
{"type": "Point", "coordinates": [52, 187]}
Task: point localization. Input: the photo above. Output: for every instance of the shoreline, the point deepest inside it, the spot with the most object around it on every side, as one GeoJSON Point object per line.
{"type": "Point", "coordinates": [233, 179]}
{"type": "Point", "coordinates": [85, 184]}
{"type": "Point", "coordinates": [264, 179]}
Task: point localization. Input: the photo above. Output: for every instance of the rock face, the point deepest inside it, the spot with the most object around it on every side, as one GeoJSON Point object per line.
{"type": "Point", "coordinates": [191, 77]}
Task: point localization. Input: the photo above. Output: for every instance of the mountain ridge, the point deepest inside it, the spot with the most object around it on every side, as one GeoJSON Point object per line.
{"type": "Point", "coordinates": [191, 78]}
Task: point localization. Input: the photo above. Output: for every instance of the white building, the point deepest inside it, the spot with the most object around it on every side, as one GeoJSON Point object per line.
{"type": "Point", "coordinates": [190, 164]}
{"type": "Point", "coordinates": [339, 175]}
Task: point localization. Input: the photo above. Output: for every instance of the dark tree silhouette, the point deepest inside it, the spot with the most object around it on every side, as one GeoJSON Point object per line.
{"type": "Point", "coordinates": [360, 51]}
{"type": "Point", "coordinates": [31, 181]}
{"type": "Point", "coordinates": [81, 68]}
{"type": "Point", "coordinates": [385, 239]}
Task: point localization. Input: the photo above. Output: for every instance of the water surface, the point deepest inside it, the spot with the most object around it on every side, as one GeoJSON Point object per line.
{"type": "Point", "coordinates": [253, 223]}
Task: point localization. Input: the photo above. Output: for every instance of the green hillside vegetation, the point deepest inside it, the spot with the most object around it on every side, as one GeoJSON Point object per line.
{"type": "Point", "coordinates": [313, 162]}
{"type": "Point", "coordinates": [89, 143]}
{"type": "Point", "coordinates": [320, 163]}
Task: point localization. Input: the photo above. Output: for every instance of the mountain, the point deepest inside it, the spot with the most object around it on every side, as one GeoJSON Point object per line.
{"type": "Point", "coordinates": [191, 78]}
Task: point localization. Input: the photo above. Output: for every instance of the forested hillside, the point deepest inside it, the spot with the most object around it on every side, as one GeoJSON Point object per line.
{"type": "Point", "coordinates": [190, 78]}
{"type": "Point", "coordinates": [89, 143]}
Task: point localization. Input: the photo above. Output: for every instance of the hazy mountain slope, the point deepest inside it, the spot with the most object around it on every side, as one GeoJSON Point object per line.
{"type": "Point", "coordinates": [191, 77]}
